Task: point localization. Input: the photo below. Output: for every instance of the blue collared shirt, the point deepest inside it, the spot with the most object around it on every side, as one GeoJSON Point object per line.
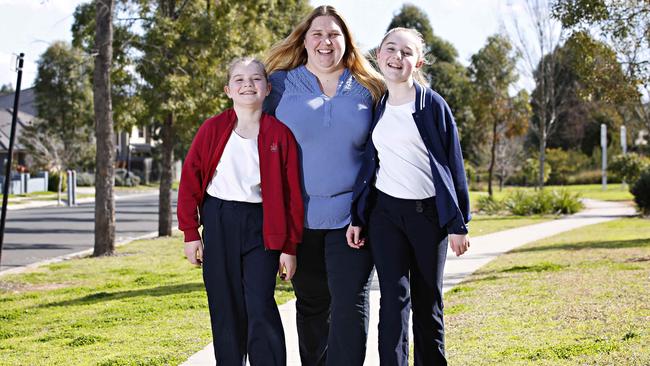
{"type": "Point", "coordinates": [331, 133]}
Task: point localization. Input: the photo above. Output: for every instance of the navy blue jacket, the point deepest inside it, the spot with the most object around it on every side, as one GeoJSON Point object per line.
{"type": "Point", "coordinates": [437, 127]}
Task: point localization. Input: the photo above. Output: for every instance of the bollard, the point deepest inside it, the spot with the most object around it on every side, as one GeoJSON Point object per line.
{"type": "Point", "coordinates": [603, 146]}
{"type": "Point", "coordinates": [73, 183]}
{"type": "Point", "coordinates": [72, 188]}
{"type": "Point", "coordinates": [24, 182]}
{"type": "Point", "coordinates": [69, 175]}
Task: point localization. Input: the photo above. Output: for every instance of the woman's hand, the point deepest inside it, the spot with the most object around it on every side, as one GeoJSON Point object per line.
{"type": "Point", "coordinates": [354, 237]}
{"type": "Point", "coordinates": [287, 266]}
{"type": "Point", "coordinates": [459, 243]}
{"type": "Point", "coordinates": [194, 252]}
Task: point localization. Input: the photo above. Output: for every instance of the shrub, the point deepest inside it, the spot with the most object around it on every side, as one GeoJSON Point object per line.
{"type": "Point", "coordinates": [470, 172]}
{"type": "Point", "coordinates": [530, 171]}
{"type": "Point", "coordinates": [628, 167]}
{"type": "Point", "coordinates": [125, 178]}
{"type": "Point", "coordinates": [490, 205]}
{"type": "Point", "coordinates": [53, 182]}
{"type": "Point", "coordinates": [586, 177]}
{"type": "Point", "coordinates": [565, 202]}
{"type": "Point", "coordinates": [641, 191]}
{"type": "Point", "coordinates": [522, 203]}
{"type": "Point", "coordinates": [525, 203]}
{"type": "Point", "coordinates": [85, 179]}
{"type": "Point", "coordinates": [564, 163]}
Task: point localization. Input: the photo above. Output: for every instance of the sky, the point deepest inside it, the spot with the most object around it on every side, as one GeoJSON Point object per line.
{"type": "Point", "coordinates": [30, 26]}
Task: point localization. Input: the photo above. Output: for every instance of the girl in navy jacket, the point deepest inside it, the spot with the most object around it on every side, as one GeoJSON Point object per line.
{"type": "Point", "coordinates": [412, 195]}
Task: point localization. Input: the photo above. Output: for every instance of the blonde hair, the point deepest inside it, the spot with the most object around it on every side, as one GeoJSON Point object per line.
{"type": "Point", "coordinates": [417, 75]}
{"type": "Point", "coordinates": [291, 53]}
{"type": "Point", "coordinates": [246, 60]}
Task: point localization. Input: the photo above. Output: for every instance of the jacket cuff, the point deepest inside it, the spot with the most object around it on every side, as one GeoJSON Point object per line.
{"type": "Point", "coordinates": [355, 221]}
{"type": "Point", "coordinates": [290, 248]}
{"type": "Point", "coordinates": [457, 227]}
{"type": "Point", "coordinates": [192, 235]}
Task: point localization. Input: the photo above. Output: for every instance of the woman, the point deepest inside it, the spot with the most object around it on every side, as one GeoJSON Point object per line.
{"type": "Point", "coordinates": [323, 89]}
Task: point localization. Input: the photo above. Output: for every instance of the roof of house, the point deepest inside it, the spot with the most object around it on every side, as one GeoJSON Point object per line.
{"type": "Point", "coordinates": [26, 104]}
{"type": "Point", "coordinates": [24, 119]}
{"type": "Point", "coordinates": [26, 115]}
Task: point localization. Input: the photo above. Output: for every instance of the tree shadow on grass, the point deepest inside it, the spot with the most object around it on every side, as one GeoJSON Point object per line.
{"type": "Point", "coordinates": [103, 296]}
{"type": "Point", "coordinates": [612, 244]}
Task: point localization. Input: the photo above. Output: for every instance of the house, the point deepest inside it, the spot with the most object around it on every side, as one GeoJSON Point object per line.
{"type": "Point", "coordinates": [26, 116]}
{"type": "Point", "coordinates": [133, 150]}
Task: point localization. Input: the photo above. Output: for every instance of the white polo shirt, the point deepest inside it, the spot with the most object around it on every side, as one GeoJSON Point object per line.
{"type": "Point", "coordinates": [404, 167]}
{"type": "Point", "coordinates": [237, 177]}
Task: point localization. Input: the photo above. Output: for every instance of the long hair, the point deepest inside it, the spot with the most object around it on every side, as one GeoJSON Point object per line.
{"type": "Point", "coordinates": [291, 53]}
{"type": "Point", "coordinates": [417, 75]}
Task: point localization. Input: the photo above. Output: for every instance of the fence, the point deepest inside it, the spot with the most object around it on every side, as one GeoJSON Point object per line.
{"type": "Point", "coordinates": [24, 183]}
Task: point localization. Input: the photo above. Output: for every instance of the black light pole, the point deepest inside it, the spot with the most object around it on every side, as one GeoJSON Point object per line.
{"type": "Point", "coordinates": [5, 187]}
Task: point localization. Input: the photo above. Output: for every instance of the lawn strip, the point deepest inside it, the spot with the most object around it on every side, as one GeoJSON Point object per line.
{"type": "Point", "coordinates": [578, 298]}
{"type": "Point", "coordinates": [145, 305]}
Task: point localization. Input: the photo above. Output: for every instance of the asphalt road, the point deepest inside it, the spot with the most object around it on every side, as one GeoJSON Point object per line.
{"type": "Point", "coordinates": [35, 234]}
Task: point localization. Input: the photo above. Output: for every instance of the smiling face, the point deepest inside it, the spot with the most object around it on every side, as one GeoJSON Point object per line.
{"type": "Point", "coordinates": [325, 44]}
{"type": "Point", "coordinates": [399, 56]}
{"type": "Point", "coordinates": [247, 85]}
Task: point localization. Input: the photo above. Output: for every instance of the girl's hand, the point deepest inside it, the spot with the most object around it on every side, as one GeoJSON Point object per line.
{"type": "Point", "coordinates": [194, 252]}
{"type": "Point", "coordinates": [287, 266]}
{"type": "Point", "coordinates": [354, 237]}
{"type": "Point", "coordinates": [459, 243]}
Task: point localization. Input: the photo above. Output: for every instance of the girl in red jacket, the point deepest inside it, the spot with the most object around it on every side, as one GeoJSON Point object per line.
{"type": "Point", "coordinates": [241, 182]}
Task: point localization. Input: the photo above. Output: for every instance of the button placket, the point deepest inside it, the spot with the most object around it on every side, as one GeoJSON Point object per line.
{"type": "Point", "coordinates": [327, 109]}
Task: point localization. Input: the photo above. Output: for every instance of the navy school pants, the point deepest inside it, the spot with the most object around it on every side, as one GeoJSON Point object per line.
{"type": "Point", "coordinates": [239, 276]}
{"type": "Point", "coordinates": [409, 250]}
{"type": "Point", "coordinates": [331, 284]}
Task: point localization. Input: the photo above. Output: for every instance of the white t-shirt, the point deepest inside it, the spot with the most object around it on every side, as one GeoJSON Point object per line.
{"type": "Point", "coordinates": [404, 166]}
{"type": "Point", "coordinates": [237, 177]}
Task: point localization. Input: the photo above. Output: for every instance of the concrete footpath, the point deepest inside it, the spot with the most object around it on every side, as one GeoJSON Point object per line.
{"type": "Point", "coordinates": [483, 249]}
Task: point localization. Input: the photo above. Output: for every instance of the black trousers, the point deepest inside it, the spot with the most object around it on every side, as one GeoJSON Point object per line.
{"type": "Point", "coordinates": [239, 276]}
{"type": "Point", "coordinates": [409, 250]}
{"type": "Point", "coordinates": [331, 285]}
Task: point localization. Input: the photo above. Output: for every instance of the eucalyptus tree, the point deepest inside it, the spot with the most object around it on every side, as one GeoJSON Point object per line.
{"type": "Point", "coordinates": [592, 87]}
{"type": "Point", "coordinates": [536, 42]}
{"type": "Point", "coordinates": [63, 98]}
{"type": "Point", "coordinates": [105, 156]}
{"type": "Point", "coordinates": [624, 26]}
{"type": "Point", "coordinates": [493, 72]}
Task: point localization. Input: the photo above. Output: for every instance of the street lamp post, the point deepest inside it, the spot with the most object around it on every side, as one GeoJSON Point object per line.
{"type": "Point", "coordinates": [12, 137]}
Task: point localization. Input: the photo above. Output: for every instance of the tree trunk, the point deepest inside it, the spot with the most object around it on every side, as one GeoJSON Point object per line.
{"type": "Point", "coordinates": [165, 205]}
{"type": "Point", "coordinates": [105, 156]}
{"type": "Point", "coordinates": [493, 156]}
{"type": "Point", "coordinates": [542, 157]}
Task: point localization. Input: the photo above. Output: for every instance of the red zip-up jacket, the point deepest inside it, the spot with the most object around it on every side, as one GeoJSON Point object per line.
{"type": "Point", "coordinates": [282, 204]}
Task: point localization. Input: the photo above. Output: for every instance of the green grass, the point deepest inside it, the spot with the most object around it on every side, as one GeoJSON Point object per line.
{"type": "Point", "coordinates": [578, 298]}
{"type": "Point", "coordinates": [484, 224]}
{"type": "Point", "coordinates": [138, 188]}
{"type": "Point", "coordinates": [614, 192]}
{"type": "Point", "coordinates": [144, 306]}
{"type": "Point", "coordinates": [27, 196]}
